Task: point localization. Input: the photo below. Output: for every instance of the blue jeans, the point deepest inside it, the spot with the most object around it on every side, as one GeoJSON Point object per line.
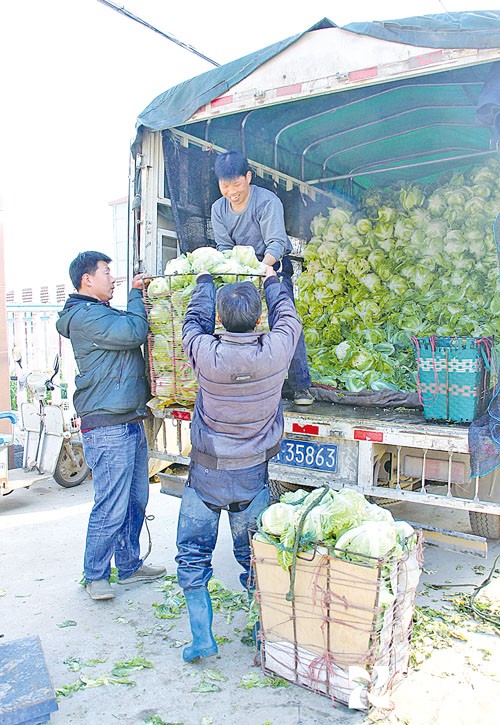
{"type": "Point", "coordinates": [299, 377]}
{"type": "Point", "coordinates": [223, 487]}
{"type": "Point", "coordinates": [197, 531]}
{"type": "Point", "coordinates": [118, 457]}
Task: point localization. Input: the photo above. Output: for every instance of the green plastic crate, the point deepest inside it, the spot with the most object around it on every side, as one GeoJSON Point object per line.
{"type": "Point", "coordinates": [453, 376]}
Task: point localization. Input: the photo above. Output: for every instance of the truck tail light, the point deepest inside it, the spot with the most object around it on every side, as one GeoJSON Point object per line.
{"type": "Point", "coordinates": [312, 430]}
{"type": "Point", "coordinates": [181, 414]}
{"type": "Point", "coordinates": [368, 435]}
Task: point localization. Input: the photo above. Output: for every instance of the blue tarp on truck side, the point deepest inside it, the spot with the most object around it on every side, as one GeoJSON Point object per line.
{"type": "Point", "coordinates": [477, 29]}
{"type": "Point", "coordinates": [451, 30]}
{"type": "Point", "coordinates": [177, 105]}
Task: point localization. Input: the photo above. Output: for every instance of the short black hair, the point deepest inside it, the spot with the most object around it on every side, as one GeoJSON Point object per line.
{"type": "Point", "coordinates": [239, 306]}
{"type": "Point", "coordinates": [85, 263]}
{"type": "Point", "coordinates": [230, 165]}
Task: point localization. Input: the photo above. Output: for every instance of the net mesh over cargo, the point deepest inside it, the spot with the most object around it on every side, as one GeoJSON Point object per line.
{"type": "Point", "coordinates": [193, 188]}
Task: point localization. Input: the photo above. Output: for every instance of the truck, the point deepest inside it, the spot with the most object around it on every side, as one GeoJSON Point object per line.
{"type": "Point", "coordinates": [323, 116]}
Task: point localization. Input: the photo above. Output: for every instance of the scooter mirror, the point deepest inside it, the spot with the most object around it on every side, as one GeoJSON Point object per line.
{"type": "Point", "coordinates": [55, 366]}
{"type": "Point", "coordinates": [16, 355]}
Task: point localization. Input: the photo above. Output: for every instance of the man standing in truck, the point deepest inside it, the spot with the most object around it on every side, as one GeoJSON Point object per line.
{"type": "Point", "coordinates": [110, 398]}
{"type": "Point", "coordinates": [251, 215]}
{"type": "Point", "coordinates": [236, 428]}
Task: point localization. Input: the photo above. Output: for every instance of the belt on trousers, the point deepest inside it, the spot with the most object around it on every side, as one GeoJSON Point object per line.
{"type": "Point", "coordinates": [224, 464]}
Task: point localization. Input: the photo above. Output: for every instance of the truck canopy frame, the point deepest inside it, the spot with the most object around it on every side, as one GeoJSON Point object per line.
{"type": "Point", "coordinates": [344, 108]}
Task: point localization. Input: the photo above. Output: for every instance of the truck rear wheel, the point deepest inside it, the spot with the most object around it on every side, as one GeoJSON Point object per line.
{"type": "Point", "coordinates": [487, 525]}
{"type": "Point", "coordinates": [71, 473]}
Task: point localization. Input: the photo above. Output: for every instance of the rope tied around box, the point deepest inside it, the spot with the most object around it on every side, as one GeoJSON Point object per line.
{"type": "Point", "coordinates": [291, 593]}
{"type": "Point", "coordinates": [486, 347]}
{"type": "Point", "coordinates": [300, 543]}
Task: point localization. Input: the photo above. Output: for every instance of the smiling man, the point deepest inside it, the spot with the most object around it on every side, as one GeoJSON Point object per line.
{"type": "Point", "coordinates": [253, 216]}
{"type": "Point", "coordinates": [110, 398]}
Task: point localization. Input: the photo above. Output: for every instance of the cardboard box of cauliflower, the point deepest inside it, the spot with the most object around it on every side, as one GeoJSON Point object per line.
{"type": "Point", "coordinates": [335, 580]}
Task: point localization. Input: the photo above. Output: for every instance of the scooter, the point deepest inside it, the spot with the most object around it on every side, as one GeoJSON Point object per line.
{"type": "Point", "coordinates": [52, 443]}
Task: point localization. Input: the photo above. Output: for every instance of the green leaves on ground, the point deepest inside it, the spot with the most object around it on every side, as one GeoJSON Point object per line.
{"type": "Point", "coordinates": [227, 601]}
{"type": "Point", "coordinates": [114, 575]}
{"type": "Point", "coordinates": [137, 663]}
{"type": "Point", "coordinates": [209, 680]}
{"type": "Point", "coordinates": [255, 680]}
{"type": "Point", "coordinates": [84, 682]}
{"type": "Point", "coordinates": [118, 675]}
{"type": "Point", "coordinates": [175, 602]}
{"type": "Point", "coordinates": [156, 720]}
{"type": "Point", "coordinates": [75, 664]}
{"type": "Point", "coordinates": [436, 629]}
{"type": "Point", "coordinates": [483, 609]}
{"type": "Point", "coordinates": [222, 640]}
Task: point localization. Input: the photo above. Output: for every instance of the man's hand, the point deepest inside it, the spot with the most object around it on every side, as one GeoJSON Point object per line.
{"type": "Point", "coordinates": [138, 281]}
{"type": "Point", "coordinates": [270, 272]}
{"type": "Point", "coordinates": [269, 259]}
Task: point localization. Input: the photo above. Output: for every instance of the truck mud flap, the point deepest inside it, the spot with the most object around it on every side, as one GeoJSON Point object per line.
{"type": "Point", "coordinates": [453, 540]}
{"type": "Point", "coordinates": [172, 483]}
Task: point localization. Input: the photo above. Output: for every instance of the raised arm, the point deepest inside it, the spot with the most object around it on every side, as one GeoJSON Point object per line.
{"type": "Point", "coordinates": [113, 329]}
{"type": "Point", "coordinates": [272, 227]}
{"type": "Point", "coordinates": [287, 326]}
{"type": "Point", "coordinates": [200, 315]}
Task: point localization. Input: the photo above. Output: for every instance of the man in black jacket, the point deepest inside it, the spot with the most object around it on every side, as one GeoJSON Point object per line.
{"type": "Point", "coordinates": [110, 398]}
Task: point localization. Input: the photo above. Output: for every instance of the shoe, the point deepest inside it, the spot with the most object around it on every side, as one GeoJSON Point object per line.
{"type": "Point", "coordinates": [100, 589]}
{"type": "Point", "coordinates": [199, 607]}
{"type": "Point", "coordinates": [144, 574]}
{"type": "Point", "coordinates": [303, 397]}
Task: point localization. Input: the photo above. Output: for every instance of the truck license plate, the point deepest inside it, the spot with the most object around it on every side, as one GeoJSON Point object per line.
{"type": "Point", "coordinates": [302, 454]}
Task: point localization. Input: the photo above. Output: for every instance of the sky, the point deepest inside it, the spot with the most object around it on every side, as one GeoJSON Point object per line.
{"type": "Point", "coordinates": [75, 75]}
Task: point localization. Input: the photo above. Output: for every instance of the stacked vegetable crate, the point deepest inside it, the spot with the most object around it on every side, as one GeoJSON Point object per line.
{"type": "Point", "coordinates": [172, 379]}
{"type": "Point", "coordinates": [327, 625]}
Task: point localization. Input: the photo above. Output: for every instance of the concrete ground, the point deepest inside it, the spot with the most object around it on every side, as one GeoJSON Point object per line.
{"type": "Point", "coordinates": [42, 532]}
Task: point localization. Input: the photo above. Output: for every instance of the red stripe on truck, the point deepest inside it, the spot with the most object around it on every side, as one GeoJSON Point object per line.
{"type": "Point", "coordinates": [222, 101]}
{"type": "Point", "coordinates": [288, 90]}
{"type": "Point", "coordinates": [426, 59]}
{"type": "Point", "coordinates": [361, 75]}
{"type": "Point", "coordinates": [307, 428]}
{"type": "Point", "coordinates": [368, 435]}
